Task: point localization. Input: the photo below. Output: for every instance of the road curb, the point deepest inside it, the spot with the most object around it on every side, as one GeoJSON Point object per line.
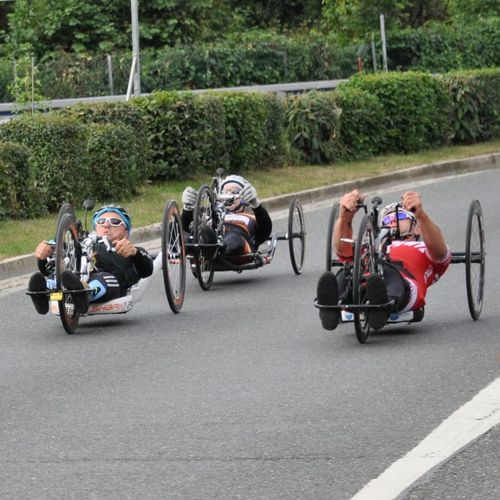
{"type": "Point", "coordinates": [25, 264]}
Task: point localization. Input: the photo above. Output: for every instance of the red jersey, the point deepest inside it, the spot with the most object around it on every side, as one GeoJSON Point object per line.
{"type": "Point", "coordinates": [418, 268]}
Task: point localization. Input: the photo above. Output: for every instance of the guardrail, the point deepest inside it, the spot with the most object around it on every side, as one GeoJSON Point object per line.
{"type": "Point", "coordinates": [281, 89]}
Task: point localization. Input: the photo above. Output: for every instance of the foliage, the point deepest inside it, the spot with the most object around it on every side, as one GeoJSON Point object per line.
{"type": "Point", "coordinates": [313, 122]}
{"type": "Point", "coordinates": [362, 132]}
{"type": "Point", "coordinates": [116, 113]}
{"type": "Point", "coordinates": [441, 48]}
{"type": "Point", "coordinates": [18, 196]}
{"type": "Point", "coordinates": [114, 156]}
{"type": "Point", "coordinates": [56, 154]}
{"type": "Point", "coordinates": [466, 10]}
{"type": "Point", "coordinates": [475, 97]}
{"type": "Point", "coordinates": [254, 130]}
{"type": "Point", "coordinates": [174, 130]}
{"type": "Point", "coordinates": [353, 19]}
{"type": "Point", "coordinates": [283, 13]}
{"type": "Point", "coordinates": [416, 108]}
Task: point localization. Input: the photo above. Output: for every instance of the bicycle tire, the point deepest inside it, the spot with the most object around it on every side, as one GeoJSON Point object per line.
{"type": "Point", "coordinates": [330, 248]}
{"type": "Point", "coordinates": [475, 259]}
{"type": "Point", "coordinates": [173, 253]}
{"type": "Point", "coordinates": [296, 236]}
{"type": "Point", "coordinates": [67, 259]}
{"type": "Point", "coordinates": [364, 265]}
{"type": "Point", "coordinates": [203, 215]}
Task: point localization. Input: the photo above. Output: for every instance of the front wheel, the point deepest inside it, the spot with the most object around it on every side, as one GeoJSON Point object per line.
{"type": "Point", "coordinates": [475, 259]}
{"type": "Point", "coordinates": [330, 247]}
{"type": "Point", "coordinates": [173, 254]}
{"type": "Point", "coordinates": [67, 259]}
{"type": "Point", "coordinates": [203, 220]}
{"type": "Point", "coordinates": [364, 266]}
{"type": "Point", "coordinates": [296, 236]}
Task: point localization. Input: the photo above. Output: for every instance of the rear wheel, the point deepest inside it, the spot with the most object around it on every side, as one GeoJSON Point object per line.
{"type": "Point", "coordinates": [475, 259]}
{"type": "Point", "coordinates": [203, 217]}
{"type": "Point", "coordinates": [330, 248]}
{"type": "Point", "coordinates": [364, 266]}
{"type": "Point", "coordinates": [173, 254]}
{"type": "Point", "coordinates": [67, 259]}
{"type": "Point", "coordinates": [296, 236]}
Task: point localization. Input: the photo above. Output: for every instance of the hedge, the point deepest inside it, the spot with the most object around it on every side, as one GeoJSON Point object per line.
{"type": "Point", "coordinates": [416, 109]}
{"type": "Point", "coordinates": [57, 154]}
{"type": "Point", "coordinates": [18, 196]}
{"type": "Point", "coordinates": [113, 153]}
{"type": "Point", "coordinates": [475, 97]}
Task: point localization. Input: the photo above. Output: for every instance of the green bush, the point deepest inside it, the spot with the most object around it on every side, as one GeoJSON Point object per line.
{"type": "Point", "coordinates": [18, 196]}
{"type": "Point", "coordinates": [475, 97]}
{"type": "Point", "coordinates": [313, 123]}
{"type": "Point", "coordinates": [56, 154]}
{"type": "Point", "coordinates": [177, 133]}
{"type": "Point", "coordinates": [416, 108]}
{"type": "Point", "coordinates": [362, 132]}
{"type": "Point", "coordinates": [118, 113]}
{"type": "Point", "coordinates": [254, 130]}
{"type": "Point", "coordinates": [441, 48]}
{"type": "Point", "coordinates": [113, 154]}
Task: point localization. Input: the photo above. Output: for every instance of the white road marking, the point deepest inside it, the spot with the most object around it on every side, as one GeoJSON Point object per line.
{"type": "Point", "coordinates": [468, 423]}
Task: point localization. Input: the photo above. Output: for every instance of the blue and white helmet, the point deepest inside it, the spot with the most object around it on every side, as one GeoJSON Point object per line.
{"type": "Point", "coordinates": [120, 211]}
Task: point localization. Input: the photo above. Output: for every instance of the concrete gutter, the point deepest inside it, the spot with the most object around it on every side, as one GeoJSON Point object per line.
{"type": "Point", "coordinates": [25, 264]}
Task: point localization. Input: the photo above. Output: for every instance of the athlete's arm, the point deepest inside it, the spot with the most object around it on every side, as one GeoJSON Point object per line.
{"type": "Point", "coordinates": [430, 232]}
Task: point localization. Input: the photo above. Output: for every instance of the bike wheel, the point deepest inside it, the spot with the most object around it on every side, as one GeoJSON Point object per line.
{"type": "Point", "coordinates": [475, 259]}
{"type": "Point", "coordinates": [203, 216]}
{"type": "Point", "coordinates": [330, 248]}
{"type": "Point", "coordinates": [296, 236]}
{"type": "Point", "coordinates": [173, 254]}
{"type": "Point", "coordinates": [364, 266]}
{"type": "Point", "coordinates": [67, 259]}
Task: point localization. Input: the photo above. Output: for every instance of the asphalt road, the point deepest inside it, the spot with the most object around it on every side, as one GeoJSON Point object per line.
{"type": "Point", "coordinates": [242, 394]}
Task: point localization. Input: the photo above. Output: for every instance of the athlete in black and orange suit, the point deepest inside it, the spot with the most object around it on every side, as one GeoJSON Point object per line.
{"type": "Point", "coordinates": [244, 230]}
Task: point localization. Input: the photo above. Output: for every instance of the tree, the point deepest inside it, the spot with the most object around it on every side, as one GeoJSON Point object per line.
{"type": "Point", "coordinates": [353, 19]}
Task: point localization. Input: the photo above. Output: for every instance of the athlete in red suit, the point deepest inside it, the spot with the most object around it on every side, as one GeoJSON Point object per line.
{"type": "Point", "coordinates": [416, 261]}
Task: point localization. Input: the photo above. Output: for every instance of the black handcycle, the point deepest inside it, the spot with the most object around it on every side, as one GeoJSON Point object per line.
{"type": "Point", "coordinates": [73, 250]}
{"type": "Point", "coordinates": [208, 257]}
{"type": "Point", "coordinates": [368, 258]}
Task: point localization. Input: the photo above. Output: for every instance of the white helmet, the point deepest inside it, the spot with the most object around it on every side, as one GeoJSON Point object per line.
{"type": "Point", "coordinates": [236, 179]}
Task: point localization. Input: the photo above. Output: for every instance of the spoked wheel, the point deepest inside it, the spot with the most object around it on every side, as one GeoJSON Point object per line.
{"type": "Point", "coordinates": [364, 266]}
{"type": "Point", "coordinates": [67, 259]}
{"type": "Point", "coordinates": [203, 219]}
{"type": "Point", "coordinates": [173, 254]}
{"type": "Point", "coordinates": [330, 248]}
{"type": "Point", "coordinates": [475, 259]}
{"type": "Point", "coordinates": [296, 236]}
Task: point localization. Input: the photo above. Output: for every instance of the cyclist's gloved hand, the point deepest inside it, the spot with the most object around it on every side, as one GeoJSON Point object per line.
{"type": "Point", "coordinates": [249, 194]}
{"type": "Point", "coordinates": [189, 198]}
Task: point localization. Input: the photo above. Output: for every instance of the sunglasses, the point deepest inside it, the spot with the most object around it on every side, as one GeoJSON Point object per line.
{"type": "Point", "coordinates": [113, 221]}
{"type": "Point", "coordinates": [392, 217]}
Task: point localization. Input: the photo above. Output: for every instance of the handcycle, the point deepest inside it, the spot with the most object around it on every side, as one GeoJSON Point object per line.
{"type": "Point", "coordinates": [368, 258]}
{"type": "Point", "coordinates": [205, 258]}
{"type": "Point", "coordinates": [73, 250]}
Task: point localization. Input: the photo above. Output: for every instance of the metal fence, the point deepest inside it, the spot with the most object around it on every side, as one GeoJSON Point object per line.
{"type": "Point", "coordinates": [281, 89]}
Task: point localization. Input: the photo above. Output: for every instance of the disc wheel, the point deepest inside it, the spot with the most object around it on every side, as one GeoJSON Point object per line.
{"type": "Point", "coordinates": [296, 236]}
{"type": "Point", "coordinates": [364, 266]}
{"type": "Point", "coordinates": [475, 259]}
{"type": "Point", "coordinates": [330, 248]}
{"type": "Point", "coordinates": [67, 259]}
{"type": "Point", "coordinates": [203, 216]}
{"type": "Point", "coordinates": [173, 254]}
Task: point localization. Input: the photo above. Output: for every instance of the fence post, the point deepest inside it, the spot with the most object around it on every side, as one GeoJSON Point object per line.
{"type": "Point", "coordinates": [374, 54]}
{"type": "Point", "coordinates": [110, 74]}
{"type": "Point", "coordinates": [384, 47]}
